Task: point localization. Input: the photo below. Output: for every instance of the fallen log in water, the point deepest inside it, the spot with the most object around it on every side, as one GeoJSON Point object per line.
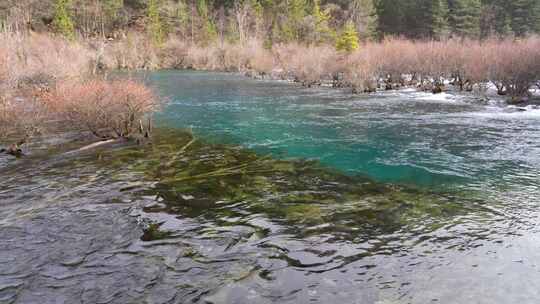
{"type": "Point", "coordinates": [96, 145]}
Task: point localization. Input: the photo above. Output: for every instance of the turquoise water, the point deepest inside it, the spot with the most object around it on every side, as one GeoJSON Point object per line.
{"type": "Point", "coordinates": [403, 137]}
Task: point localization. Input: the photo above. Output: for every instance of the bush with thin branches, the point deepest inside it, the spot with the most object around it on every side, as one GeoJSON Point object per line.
{"type": "Point", "coordinates": [108, 109]}
{"type": "Point", "coordinates": [45, 78]}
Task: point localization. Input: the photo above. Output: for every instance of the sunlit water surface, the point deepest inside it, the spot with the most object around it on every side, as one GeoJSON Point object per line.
{"type": "Point", "coordinates": [461, 227]}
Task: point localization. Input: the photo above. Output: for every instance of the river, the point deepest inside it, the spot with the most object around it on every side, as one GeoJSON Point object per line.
{"type": "Point", "coordinates": [287, 195]}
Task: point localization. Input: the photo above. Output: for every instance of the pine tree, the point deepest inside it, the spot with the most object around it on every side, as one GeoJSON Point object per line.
{"type": "Point", "coordinates": [464, 18]}
{"type": "Point", "coordinates": [391, 17]}
{"type": "Point", "coordinates": [524, 16]}
{"type": "Point", "coordinates": [348, 40]}
{"type": "Point", "coordinates": [62, 19]}
{"type": "Point", "coordinates": [440, 26]}
{"type": "Point", "coordinates": [536, 17]}
{"type": "Point", "coordinates": [322, 29]}
{"type": "Point", "coordinates": [296, 11]}
{"type": "Point", "coordinates": [155, 26]}
{"type": "Point", "coordinates": [208, 29]}
{"type": "Point", "coordinates": [427, 18]}
{"type": "Point", "coordinates": [182, 16]}
{"type": "Point", "coordinates": [112, 7]}
{"type": "Point", "coordinates": [364, 15]}
{"type": "Point", "coordinates": [495, 18]}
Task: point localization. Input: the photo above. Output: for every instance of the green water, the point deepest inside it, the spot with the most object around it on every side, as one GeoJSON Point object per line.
{"type": "Point", "coordinates": [403, 137]}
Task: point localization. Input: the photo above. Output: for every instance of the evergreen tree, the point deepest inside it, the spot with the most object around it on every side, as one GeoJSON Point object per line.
{"type": "Point", "coordinates": [182, 16]}
{"type": "Point", "coordinates": [536, 19]}
{"type": "Point", "coordinates": [62, 19]}
{"type": "Point", "coordinates": [364, 15]}
{"type": "Point", "coordinates": [296, 11]}
{"type": "Point", "coordinates": [348, 40]}
{"type": "Point", "coordinates": [524, 16]}
{"type": "Point", "coordinates": [440, 26]}
{"type": "Point", "coordinates": [391, 17]}
{"type": "Point", "coordinates": [155, 25]}
{"type": "Point", "coordinates": [427, 18]}
{"type": "Point", "coordinates": [298, 20]}
{"type": "Point", "coordinates": [322, 29]}
{"type": "Point", "coordinates": [495, 18]}
{"type": "Point", "coordinates": [207, 27]}
{"type": "Point", "coordinates": [464, 18]}
{"type": "Point", "coordinates": [112, 7]}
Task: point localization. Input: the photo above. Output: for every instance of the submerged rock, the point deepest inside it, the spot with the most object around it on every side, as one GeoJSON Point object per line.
{"type": "Point", "coordinates": [437, 89]}
{"type": "Point", "coordinates": [13, 150]}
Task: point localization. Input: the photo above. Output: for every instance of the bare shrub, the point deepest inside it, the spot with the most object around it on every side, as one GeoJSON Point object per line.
{"type": "Point", "coordinates": [515, 67]}
{"type": "Point", "coordinates": [133, 51]}
{"type": "Point", "coordinates": [8, 114]}
{"type": "Point", "coordinates": [4, 72]}
{"type": "Point", "coordinates": [284, 54]}
{"type": "Point", "coordinates": [249, 56]}
{"type": "Point", "coordinates": [512, 65]}
{"type": "Point", "coordinates": [395, 58]}
{"type": "Point", "coordinates": [239, 57]}
{"type": "Point", "coordinates": [44, 78]}
{"type": "Point", "coordinates": [173, 54]}
{"type": "Point", "coordinates": [30, 64]}
{"type": "Point", "coordinates": [19, 118]}
{"type": "Point", "coordinates": [360, 70]}
{"type": "Point", "coordinates": [108, 109]}
{"type": "Point", "coordinates": [42, 54]}
{"type": "Point", "coordinates": [309, 64]}
{"type": "Point", "coordinates": [260, 59]}
{"type": "Point", "coordinates": [200, 58]}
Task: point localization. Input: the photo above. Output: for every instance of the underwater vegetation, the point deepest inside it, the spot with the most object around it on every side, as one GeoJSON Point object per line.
{"type": "Point", "coordinates": [215, 182]}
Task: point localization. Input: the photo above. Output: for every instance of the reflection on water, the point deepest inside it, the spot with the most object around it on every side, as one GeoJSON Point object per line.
{"type": "Point", "coordinates": [184, 221]}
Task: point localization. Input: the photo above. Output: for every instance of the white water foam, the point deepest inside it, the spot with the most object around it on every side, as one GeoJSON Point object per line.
{"type": "Point", "coordinates": [510, 112]}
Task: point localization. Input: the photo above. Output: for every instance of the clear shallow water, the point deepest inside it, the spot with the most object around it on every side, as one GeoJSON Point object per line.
{"type": "Point", "coordinates": [404, 137]}
{"type": "Point", "coordinates": [75, 229]}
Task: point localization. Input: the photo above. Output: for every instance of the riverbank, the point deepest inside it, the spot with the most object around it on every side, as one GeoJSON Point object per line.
{"type": "Point", "coordinates": [47, 78]}
{"type": "Point", "coordinates": [509, 65]}
{"type": "Point", "coordinates": [48, 82]}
